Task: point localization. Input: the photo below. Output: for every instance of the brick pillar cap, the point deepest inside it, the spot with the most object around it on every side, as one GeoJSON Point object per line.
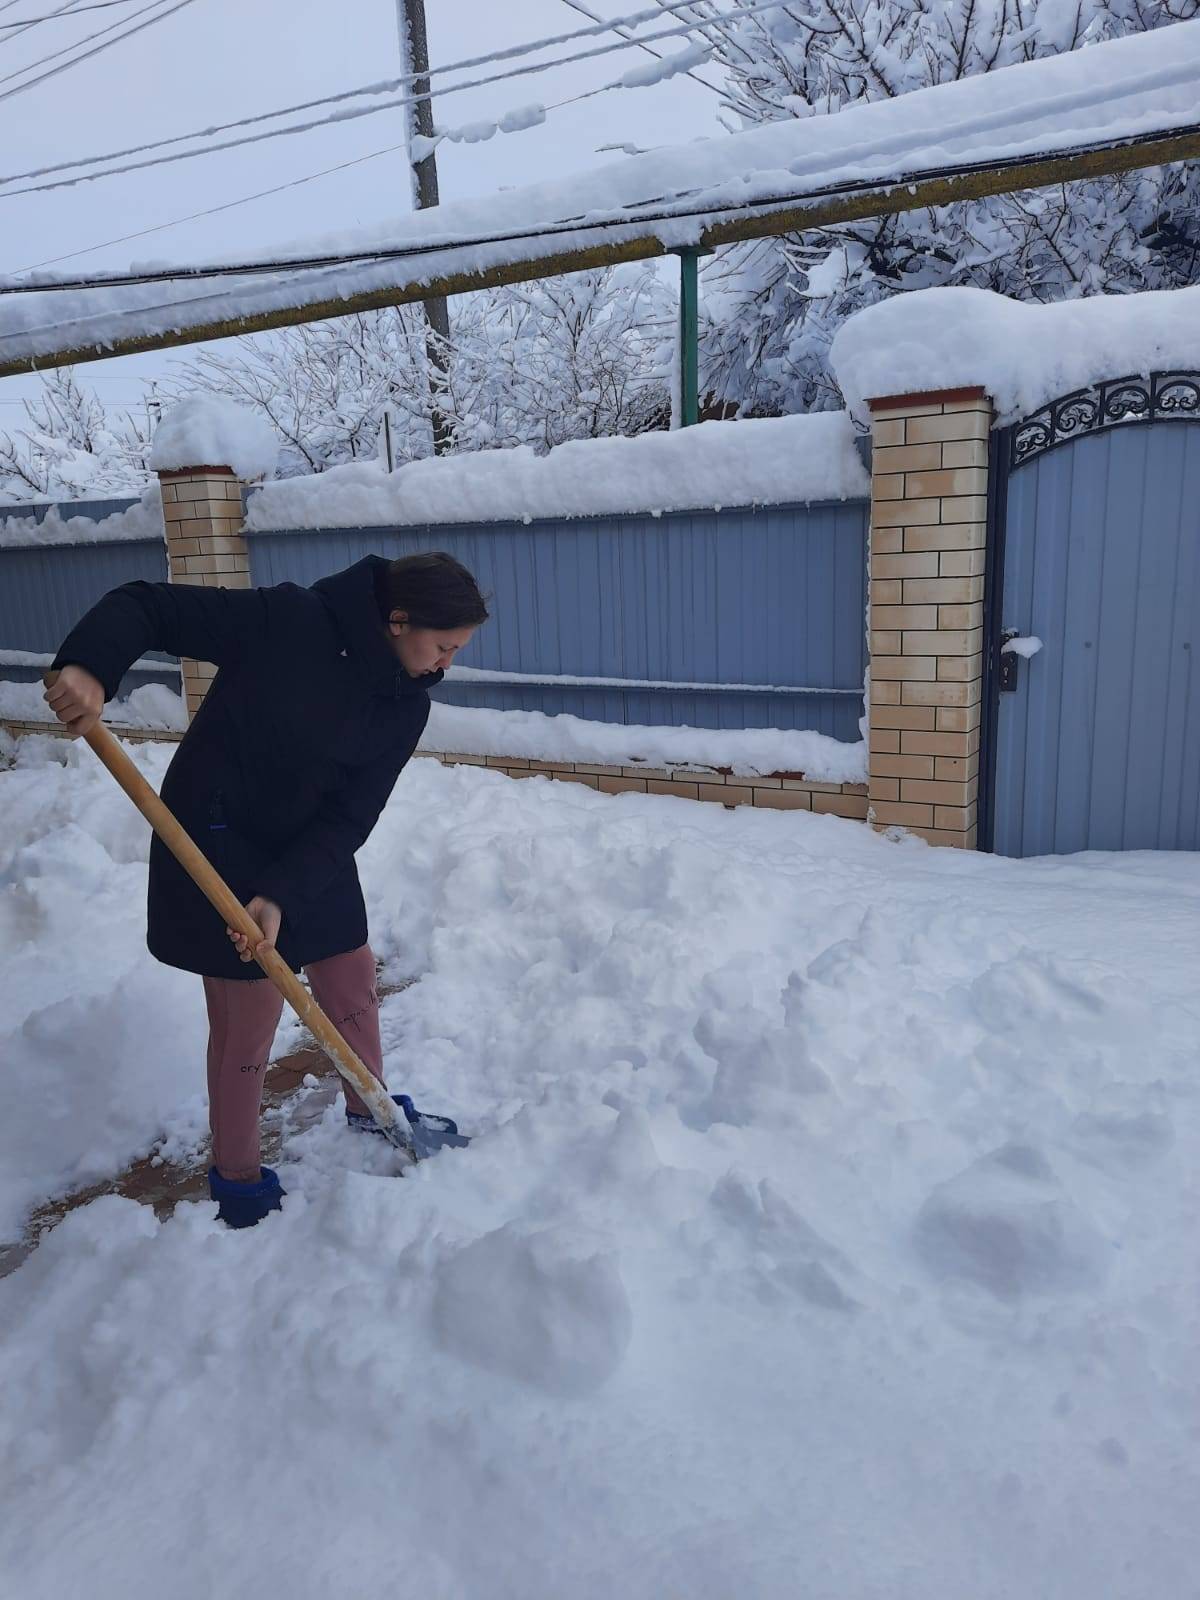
{"type": "Point", "coordinates": [925, 397]}
{"type": "Point", "coordinates": [195, 472]}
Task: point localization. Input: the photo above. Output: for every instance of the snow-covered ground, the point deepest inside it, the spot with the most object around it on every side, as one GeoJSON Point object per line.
{"type": "Point", "coordinates": [829, 1228]}
{"type": "Point", "coordinates": [150, 705]}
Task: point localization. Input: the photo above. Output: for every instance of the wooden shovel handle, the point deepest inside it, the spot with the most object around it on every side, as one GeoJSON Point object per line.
{"type": "Point", "coordinates": [209, 881]}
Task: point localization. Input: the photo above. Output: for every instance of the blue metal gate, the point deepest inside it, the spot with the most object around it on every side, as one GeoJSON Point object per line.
{"type": "Point", "coordinates": [1095, 739]}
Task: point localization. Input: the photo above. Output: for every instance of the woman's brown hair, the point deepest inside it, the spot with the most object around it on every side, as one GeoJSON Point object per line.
{"type": "Point", "coordinates": [433, 590]}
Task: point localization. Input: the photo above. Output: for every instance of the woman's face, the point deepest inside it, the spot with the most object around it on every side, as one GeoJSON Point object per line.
{"type": "Point", "coordinates": [422, 650]}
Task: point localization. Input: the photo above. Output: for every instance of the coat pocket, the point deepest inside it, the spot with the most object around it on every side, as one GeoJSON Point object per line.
{"type": "Point", "coordinates": [231, 854]}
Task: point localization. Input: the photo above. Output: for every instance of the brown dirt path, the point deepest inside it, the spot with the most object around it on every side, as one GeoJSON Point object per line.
{"type": "Point", "coordinates": [165, 1184]}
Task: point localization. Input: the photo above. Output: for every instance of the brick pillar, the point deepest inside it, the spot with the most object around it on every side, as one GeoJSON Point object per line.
{"type": "Point", "coordinates": [929, 493]}
{"type": "Point", "coordinates": [202, 514]}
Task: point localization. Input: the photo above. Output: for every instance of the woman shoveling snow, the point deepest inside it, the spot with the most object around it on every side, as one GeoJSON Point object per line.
{"type": "Point", "coordinates": [319, 701]}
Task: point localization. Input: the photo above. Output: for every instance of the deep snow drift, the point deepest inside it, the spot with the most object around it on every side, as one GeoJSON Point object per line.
{"type": "Point", "coordinates": [828, 1232]}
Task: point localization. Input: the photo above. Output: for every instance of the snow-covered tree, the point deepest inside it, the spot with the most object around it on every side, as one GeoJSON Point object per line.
{"type": "Point", "coordinates": [774, 305]}
{"type": "Point", "coordinates": [71, 448]}
{"type": "Point", "coordinates": [575, 357]}
{"type": "Point", "coordinates": [567, 358]}
{"type": "Point", "coordinates": [323, 386]}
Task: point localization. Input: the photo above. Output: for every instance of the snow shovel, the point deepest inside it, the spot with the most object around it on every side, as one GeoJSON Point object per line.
{"type": "Point", "coordinates": [387, 1115]}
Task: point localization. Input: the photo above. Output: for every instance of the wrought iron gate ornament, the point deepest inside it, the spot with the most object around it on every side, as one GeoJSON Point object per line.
{"type": "Point", "coordinates": [1162, 397]}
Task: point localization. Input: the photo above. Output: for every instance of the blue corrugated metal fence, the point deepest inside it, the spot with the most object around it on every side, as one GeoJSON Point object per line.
{"type": "Point", "coordinates": [45, 589]}
{"type": "Point", "coordinates": [767, 597]}
{"type": "Point", "coordinates": [677, 607]}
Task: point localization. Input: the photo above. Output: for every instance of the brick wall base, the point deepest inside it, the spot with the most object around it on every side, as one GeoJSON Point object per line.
{"type": "Point", "coordinates": [55, 730]}
{"type": "Point", "coordinates": [779, 791]}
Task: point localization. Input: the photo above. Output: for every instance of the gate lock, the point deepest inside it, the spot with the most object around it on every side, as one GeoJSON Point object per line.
{"type": "Point", "coordinates": [1009, 662]}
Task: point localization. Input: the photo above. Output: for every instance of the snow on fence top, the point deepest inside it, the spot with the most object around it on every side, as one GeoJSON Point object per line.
{"type": "Point", "coordinates": [207, 430]}
{"type": "Point", "coordinates": [1023, 354]}
{"type": "Point", "coordinates": [142, 520]}
{"type": "Point", "coordinates": [1122, 89]}
{"type": "Point", "coordinates": [771, 461]}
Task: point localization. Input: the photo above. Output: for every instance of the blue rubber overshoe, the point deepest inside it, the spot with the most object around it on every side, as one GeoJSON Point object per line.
{"type": "Point", "coordinates": [242, 1205]}
{"type": "Point", "coordinates": [429, 1133]}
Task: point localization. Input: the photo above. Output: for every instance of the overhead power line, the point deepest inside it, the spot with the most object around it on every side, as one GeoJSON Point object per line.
{"type": "Point", "coordinates": [161, 16]}
{"type": "Point", "coordinates": [246, 199]}
{"type": "Point", "coordinates": [510, 52]}
{"type": "Point", "coordinates": [322, 297]}
{"type": "Point", "coordinates": [63, 13]}
{"type": "Point", "coordinates": [209, 211]}
{"type": "Point", "coordinates": [629, 216]}
{"type": "Point", "coordinates": [616, 26]}
{"type": "Point", "coordinates": [712, 18]}
{"type": "Point", "coordinates": [23, 26]}
{"type": "Point", "coordinates": [77, 44]}
{"type": "Point", "coordinates": [386, 86]}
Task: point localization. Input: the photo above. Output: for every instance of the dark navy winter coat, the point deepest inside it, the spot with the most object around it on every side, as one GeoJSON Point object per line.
{"type": "Point", "coordinates": [289, 761]}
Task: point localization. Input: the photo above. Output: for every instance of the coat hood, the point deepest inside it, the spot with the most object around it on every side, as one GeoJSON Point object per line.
{"type": "Point", "coordinates": [351, 597]}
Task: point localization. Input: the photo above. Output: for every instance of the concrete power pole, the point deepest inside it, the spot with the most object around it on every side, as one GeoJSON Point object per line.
{"type": "Point", "coordinates": [414, 57]}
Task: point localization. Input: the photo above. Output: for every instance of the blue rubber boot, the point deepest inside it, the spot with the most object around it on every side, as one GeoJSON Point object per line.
{"type": "Point", "coordinates": [242, 1205]}
{"type": "Point", "coordinates": [429, 1133]}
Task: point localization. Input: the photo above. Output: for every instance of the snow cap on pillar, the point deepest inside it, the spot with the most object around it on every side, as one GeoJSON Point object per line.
{"type": "Point", "coordinates": [207, 430]}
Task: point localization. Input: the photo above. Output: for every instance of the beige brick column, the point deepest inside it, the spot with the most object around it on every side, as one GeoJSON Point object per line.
{"type": "Point", "coordinates": [928, 543]}
{"type": "Point", "coordinates": [202, 514]}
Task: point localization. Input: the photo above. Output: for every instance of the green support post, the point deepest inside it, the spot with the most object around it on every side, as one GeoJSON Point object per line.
{"type": "Point", "coordinates": [689, 338]}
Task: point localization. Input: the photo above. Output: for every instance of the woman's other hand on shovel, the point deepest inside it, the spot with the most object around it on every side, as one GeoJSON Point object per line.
{"type": "Point", "coordinates": [76, 699]}
{"type": "Point", "coordinates": [268, 916]}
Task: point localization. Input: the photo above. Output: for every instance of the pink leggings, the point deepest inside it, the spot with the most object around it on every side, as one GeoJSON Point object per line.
{"type": "Point", "coordinates": [242, 1018]}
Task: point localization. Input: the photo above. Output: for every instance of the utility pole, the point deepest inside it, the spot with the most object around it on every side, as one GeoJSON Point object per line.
{"type": "Point", "coordinates": [414, 59]}
{"type": "Point", "coordinates": [689, 338]}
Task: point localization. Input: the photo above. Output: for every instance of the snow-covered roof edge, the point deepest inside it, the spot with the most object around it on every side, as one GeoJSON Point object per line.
{"type": "Point", "coordinates": [1022, 354]}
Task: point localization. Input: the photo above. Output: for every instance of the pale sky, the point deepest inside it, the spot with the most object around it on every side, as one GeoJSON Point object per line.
{"type": "Point", "coordinates": [216, 60]}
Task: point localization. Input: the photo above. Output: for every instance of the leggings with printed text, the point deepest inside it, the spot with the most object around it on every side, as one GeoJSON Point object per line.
{"type": "Point", "coordinates": [242, 1018]}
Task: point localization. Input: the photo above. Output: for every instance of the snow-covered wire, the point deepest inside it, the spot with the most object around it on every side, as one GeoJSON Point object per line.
{"type": "Point", "coordinates": [212, 211]}
{"type": "Point", "coordinates": [706, 19]}
{"type": "Point", "coordinates": [160, 16]}
{"type": "Point", "coordinates": [247, 199]}
{"type": "Point", "coordinates": [348, 114]}
{"type": "Point", "coordinates": [24, 24]}
{"type": "Point", "coordinates": [385, 86]}
{"type": "Point", "coordinates": [69, 9]}
{"type": "Point", "coordinates": [639, 214]}
{"type": "Point", "coordinates": [617, 27]}
{"type": "Point", "coordinates": [54, 16]}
